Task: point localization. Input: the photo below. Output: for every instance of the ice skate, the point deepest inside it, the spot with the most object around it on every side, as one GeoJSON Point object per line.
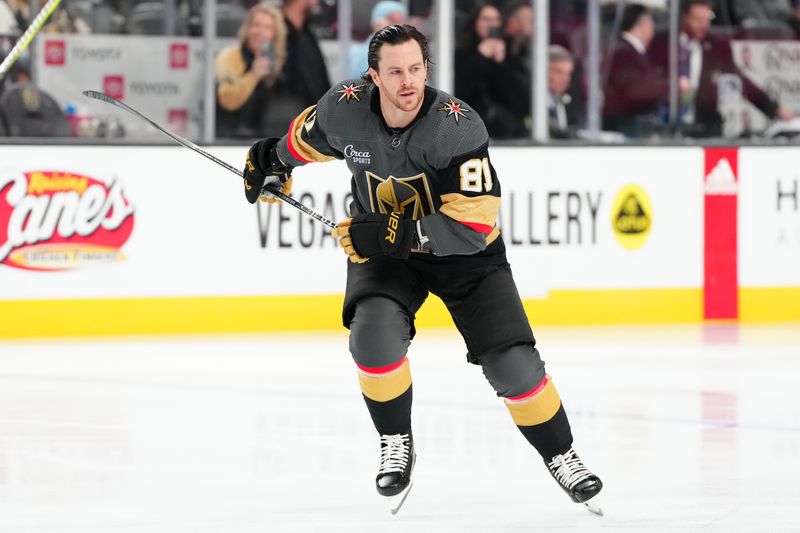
{"type": "Point", "coordinates": [576, 480]}
{"type": "Point", "coordinates": [397, 463]}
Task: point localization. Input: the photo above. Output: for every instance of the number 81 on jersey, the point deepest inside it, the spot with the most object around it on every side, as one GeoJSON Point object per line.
{"type": "Point", "coordinates": [476, 174]}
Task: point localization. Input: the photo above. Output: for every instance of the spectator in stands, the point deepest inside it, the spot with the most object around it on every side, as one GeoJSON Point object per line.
{"type": "Point", "coordinates": [420, 15]}
{"type": "Point", "coordinates": [486, 81]}
{"type": "Point", "coordinates": [794, 18]}
{"type": "Point", "coordinates": [702, 58]}
{"type": "Point", "coordinates": [633, 90]}
{"type": "Point", "coordinates": [252, 92]}
{"type": "Point", "coordinates": [518, 30]}
{"type": "Point", "coordinates": [61, 21]}
{"type": "Point", "coordinates": [561, 116]}
{"type": "Point", "coordinates": [22, 12]}
{"type": "Point", "coordinates": [384, 13]}
{"type": "Point", "coordinates": [19, 68]}
{"type": "Point", "coordinates": [8, 22]}
{"type": "Point", "coordinates": [305, 66]}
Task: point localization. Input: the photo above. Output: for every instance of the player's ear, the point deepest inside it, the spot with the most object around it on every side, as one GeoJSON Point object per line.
{"type": "Point", "coordinates": [374, 75]}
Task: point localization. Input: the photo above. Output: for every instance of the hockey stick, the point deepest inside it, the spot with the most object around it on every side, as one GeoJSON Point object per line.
{"type": "Point", "coordinates": [190, 145]}
{"type": "Point", "coordinates": [27, 37]}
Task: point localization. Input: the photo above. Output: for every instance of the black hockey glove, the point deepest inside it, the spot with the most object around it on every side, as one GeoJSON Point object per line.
{"type": "Point", "coordinates": [263, 166]}
{"type": "Point", "coordinates": [374, 234]}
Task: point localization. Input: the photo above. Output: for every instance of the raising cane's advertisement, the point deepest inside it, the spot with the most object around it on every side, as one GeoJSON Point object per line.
{"type": "Point", "coordinates": [54, 220]}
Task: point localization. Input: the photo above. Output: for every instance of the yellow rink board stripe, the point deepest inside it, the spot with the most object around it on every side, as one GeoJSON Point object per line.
{"type": "Point", "coordinates": [124, 316]}
{"type": "Point", "coordinates": [769, 304]}
{"type": "Point", "coordinates": [640, 306]}
{"type": "Point", "coordinates": [232, 314]}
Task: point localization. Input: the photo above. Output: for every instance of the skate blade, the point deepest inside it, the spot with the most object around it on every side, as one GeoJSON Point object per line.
{"type": "Point", "coordinates": [396, 501]}
{"type": "Point", "coordinates": [593, 506]}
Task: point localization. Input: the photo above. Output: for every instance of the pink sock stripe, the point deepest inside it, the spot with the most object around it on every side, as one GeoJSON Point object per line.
{"type": "Point", "coordinates": [480, 228]}
{"type": "Point", "coordinates": [531, 393]}
{"type": "Point", "coordinates": [292, 149]}
{"type": "Point", "coordinates": [382, 369]}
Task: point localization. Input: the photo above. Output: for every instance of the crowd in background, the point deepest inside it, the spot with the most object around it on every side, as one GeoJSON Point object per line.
{"type": "Point", "coordinates": [493, 67]}
{"type": "Point", "coordinates": [275, 67]}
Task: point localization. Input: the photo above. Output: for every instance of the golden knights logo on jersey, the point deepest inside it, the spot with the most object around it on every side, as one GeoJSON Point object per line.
{"type": "Point", "coordinates": [410, 196]}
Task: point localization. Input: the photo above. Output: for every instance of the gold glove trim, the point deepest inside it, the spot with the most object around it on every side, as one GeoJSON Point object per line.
{"type": "Point", "coordinates": [286, 188]}
{"type": "Point", "coordinates": [342, 235]}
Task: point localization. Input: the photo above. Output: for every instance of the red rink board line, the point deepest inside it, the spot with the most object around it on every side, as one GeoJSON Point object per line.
{"type": "Point", "coordinates": [721, 185]}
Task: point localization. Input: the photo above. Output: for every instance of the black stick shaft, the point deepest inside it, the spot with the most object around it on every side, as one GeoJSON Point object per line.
{"type": "Point", "coordinates": [190, 145]}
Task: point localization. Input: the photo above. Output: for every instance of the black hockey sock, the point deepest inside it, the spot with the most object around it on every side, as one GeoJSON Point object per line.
{"type": "Point", "coordinates": [387, 393]}
{"type": "Point", "coordinates": [391, 417]}
{"type": "Point", "coordinates": [552, 437]}
{"type": "Point", "coordinates": [541, 418]}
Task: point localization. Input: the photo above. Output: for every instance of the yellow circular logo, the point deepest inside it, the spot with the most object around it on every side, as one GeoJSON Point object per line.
{"type": "Point", "coordinates": [631, 216]}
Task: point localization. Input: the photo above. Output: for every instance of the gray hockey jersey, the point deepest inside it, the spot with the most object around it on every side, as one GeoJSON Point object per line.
{"type": "Point", "coordinates": [436, 170]}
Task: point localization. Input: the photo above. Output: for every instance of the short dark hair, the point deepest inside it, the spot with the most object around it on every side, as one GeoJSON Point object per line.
{"type": "Point", "coordinates": [510, 9]}
{"type": "Point", "coordinates": [687, 5]}
{"type": "Point", "coordinates": [632, 15]}
{"type": "Point", "coordinates": [392, 35]}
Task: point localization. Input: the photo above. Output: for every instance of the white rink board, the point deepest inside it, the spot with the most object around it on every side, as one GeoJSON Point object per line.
{"type": "Point", "coordinates": [540, 181]}
{"type": "Point", "coordinates": [194, 235]}
{"type": "Point", "coordinates": [769, 217]}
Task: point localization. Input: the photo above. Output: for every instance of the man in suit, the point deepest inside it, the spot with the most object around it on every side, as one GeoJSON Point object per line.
{"type": "Point", "coordinates": [561, 116]}
{"type": "Point", "coordinates": [633, 91]}
{"type": "Point", "coordinates": [701, 59]}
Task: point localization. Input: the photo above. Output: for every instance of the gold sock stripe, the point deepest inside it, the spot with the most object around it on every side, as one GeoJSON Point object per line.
{"type": "Point", "coordinates": [385, 387]}
{"type": "Point", "coordinates": [538, 409]}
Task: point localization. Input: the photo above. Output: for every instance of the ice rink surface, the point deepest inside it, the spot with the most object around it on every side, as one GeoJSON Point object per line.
{"type": "Point", "coordinates": [691, 428]}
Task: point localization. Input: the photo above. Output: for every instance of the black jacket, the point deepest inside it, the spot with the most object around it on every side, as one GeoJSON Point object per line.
{"type": "Point", "coordinates": [305, 69]}
{"type": "Point", "coordinates": [498, 92]}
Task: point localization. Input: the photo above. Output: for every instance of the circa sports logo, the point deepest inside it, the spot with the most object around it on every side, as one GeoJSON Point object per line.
{"type": "Point", "coordinates": [362, 158]}
{"type": "Point", "coordinates": [54, 220]}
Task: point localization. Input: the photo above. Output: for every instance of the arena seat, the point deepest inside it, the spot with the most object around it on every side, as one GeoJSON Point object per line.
{"type": "Point", "coordinates": [147, 18]}
{"type": "Point", "coordinates": [3, 127]}
{"type": "Point", "coordinates": [230, 18]}
{"type": "Point", "coordinates": [30, 112]}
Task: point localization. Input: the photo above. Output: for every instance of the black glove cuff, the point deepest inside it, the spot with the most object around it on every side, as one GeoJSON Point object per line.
{"type": "Point", "coordinates": [376, 234]}
{"type": "Point", "coordinates": [278, 167]}
{"type": "Point", "coordinates": [262, 151]}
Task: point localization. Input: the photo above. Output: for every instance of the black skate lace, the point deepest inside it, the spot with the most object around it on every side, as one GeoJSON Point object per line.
{"type": "Point", "coordinates": [568, 469]}
{"type": "Point", "coordinates": [394, 453]}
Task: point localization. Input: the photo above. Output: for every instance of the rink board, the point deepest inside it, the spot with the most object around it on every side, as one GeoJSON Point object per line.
{"type": "Point", "coordinates": [126, 240]}
{"type": "Point", "coordinates": [769, 234]}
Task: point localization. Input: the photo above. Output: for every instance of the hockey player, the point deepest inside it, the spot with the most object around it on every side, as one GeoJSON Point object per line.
{"type": "Point", "coordinates": [424, 211]}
